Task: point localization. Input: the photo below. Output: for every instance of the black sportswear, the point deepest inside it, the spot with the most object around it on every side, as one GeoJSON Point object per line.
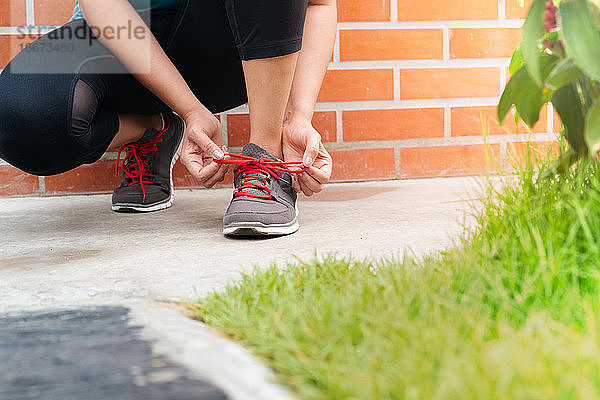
{"type": "Point", "coordinates": [58, 110]}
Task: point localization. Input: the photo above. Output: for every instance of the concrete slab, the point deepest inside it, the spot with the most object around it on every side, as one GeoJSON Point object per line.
{"type": "Point", "coordinates": [65, 253]}
{"type": "Point", "coordinates": [74, 250]}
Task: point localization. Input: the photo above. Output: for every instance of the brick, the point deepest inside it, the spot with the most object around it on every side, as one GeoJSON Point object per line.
{"type": "Point", "coordinates": [517, 9]}
{"type": "Point", "coordinates": [393, 124]}
{"type": "Point", "coordinates": [52, 12]}
{"type": "Point", "coordinates": [474, 121]}
{"type": "Point", "coordinates": [391, 44]}
{"type": "Point", "coordinates": [423, 162]}
{"type": "Point", "coordinates": [10, 45]}
{"type": "Point", "coordinates": [358, 85]}
{"type": "Point", "coordinates": [99, 177]}
{"type": "Point", "coordinates": [13, 13]}
{"type": "Point", "coordinates": [363, 10]}
{"type": "Point", "coordinates": [449, 83]}
{"type": "Point", "coordinates": [517, 152]}
{"type": "Point", "coordinates": [17, 183]}
{"type": "Point", "coordinates": [182, 178]}
{"type": "Point", "coordinates": [483, 43]}
{"type": "Point", "coordinates": [238, 127]}
{"type": "Point", "coordinates": [363, 164]}
{"type": "Point", "coordinates": [325, 123]}
{"type": "Point", "coordinates": [441, 10]}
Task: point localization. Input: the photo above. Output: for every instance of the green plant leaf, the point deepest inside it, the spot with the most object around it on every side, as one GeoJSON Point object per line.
{"type": "Point", "coordinates": [592, 128]}
{"type": "Point", "coordinates": [517, 61]}
{"type": "Point", "coordinates": [587, 93]}
{"type": "Point", "coordinates": [581, 37]}
{"type": "Point", "coordinates": [565, 72]}
{"type": "Point", "coordinates": [567, 103]}
{"type": "Point", "coordinates": [525, 94]}
{"type": "Point", "coordinates": [532, 32]}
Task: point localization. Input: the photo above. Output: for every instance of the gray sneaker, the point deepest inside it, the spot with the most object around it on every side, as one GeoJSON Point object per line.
{"type": "Point", "coordinates": [264, 202]}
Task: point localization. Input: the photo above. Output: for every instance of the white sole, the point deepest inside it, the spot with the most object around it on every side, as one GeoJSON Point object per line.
{"type": "Point", "coordinates": [162, 205]}
{"type": "Point", "coordinates": [259, 229]}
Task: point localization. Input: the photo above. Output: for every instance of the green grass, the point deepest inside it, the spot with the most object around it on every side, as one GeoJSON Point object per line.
{"type": "Point", "coordinates": [510, 313]}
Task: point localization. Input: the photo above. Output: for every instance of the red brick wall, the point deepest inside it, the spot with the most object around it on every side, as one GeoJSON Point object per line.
{"type": "Point", "coordinates": [410, 93]}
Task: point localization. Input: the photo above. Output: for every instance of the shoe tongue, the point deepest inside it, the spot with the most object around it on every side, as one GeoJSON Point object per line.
{"type": "Point", "coordinates": [256, 151]}
{"type": "Point", "coordinates": [148, 136]}
{"type": "Point", "coordinates": [253, 150]}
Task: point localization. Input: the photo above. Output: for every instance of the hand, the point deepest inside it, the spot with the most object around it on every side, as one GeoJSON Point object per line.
{"type": "Point", "coordinates": [302, 142]}
{"type": "Point", "coordinates": [203, 142]}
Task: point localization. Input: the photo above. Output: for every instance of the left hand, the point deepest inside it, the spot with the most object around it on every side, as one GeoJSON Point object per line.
{"type": "Point", "coordinates": [302, 142]}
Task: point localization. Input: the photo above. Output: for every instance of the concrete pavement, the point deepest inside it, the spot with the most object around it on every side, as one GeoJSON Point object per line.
{"type": "Point", "coordinates": [73, 252]}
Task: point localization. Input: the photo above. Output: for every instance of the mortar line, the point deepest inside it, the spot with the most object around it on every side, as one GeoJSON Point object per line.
{"type": "Point", "coordinates": [339, 124]}
{"type": "Point", "coordinates": [404, 104]}
{"type": "Point", "coordinates": [550, 118]}
{"type": "Point", "coordinates": [503, 155]}
{"type": "Point", "coordinates": [398, 162]}
{"type": "Point", "coordinates": [30, 8]}
{"type": "Point", "coordinates": [394, 10]}
{"type": "Point", "coordinates": [336, 46]}
{"type": "Point", "coordinates": [468, 24]}
{"type": "Point", "coordinates": [224, 129]}
{"type": "Point", "coordinates": [501, 10]}
{"type": "Point", "coordinates": [447, 122]}
{"type": "Point", "coordinates": [397, 94]}
{"type": "Point", "coordinates": [429, 64]}
{"type": "Point", "coordinates": [446, 44]}
{"type": "Point", "coordinates": [42, 185]}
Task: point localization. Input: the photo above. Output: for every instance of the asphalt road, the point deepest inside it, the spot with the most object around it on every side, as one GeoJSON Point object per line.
{"type": "Point", "coordinates": [88, 354]}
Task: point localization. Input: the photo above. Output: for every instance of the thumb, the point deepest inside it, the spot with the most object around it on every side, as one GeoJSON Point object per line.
{"type": "Point", "coordinates": [312, 149]}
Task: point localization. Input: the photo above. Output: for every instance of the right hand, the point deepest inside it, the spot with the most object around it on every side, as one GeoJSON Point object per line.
{"type": "Point", "coordinates": [202, 143]}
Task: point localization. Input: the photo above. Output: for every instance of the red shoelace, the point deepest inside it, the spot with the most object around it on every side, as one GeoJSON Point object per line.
{"type": "Point", "coordinates": [251, 167]}
{"type": "Point", "coordinates": [139, 152]}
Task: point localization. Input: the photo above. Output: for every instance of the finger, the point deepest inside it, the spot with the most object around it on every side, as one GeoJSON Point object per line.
{"type": "Point", "coordinates": [321, 174]}
{"type": "Point", "coordinates": [193, 167]}
{"type": "Point", "coordinates": [311, 183]}
{"type": "Point", "coordinates": [305, 189]}
{"type": "Point", "coordinates": [208, 172]}
{"type": "Point", "coordinates": [222, 172]}
{"type": "Point", "coordinates": [295, 184]}
{"type": "Point", "coordinates": [313, 145]}
{"type": "Point", "coordinates": [322, 168]}
{"type": "Point", "coordinates": [208, 148]}
{"type": "Point", "coordinates": [219, 176]}
{"type": "Point", "coordinates": [212, 181]}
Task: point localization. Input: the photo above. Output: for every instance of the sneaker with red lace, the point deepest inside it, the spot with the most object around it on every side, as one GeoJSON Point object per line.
{"type": "Point", "coordinates": [147, 168]}
{"type": "Point", "coordinates": [264, 202]}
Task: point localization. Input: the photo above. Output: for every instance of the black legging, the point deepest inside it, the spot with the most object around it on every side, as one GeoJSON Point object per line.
{"type": "Point", "coordinates": [58, 109]}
